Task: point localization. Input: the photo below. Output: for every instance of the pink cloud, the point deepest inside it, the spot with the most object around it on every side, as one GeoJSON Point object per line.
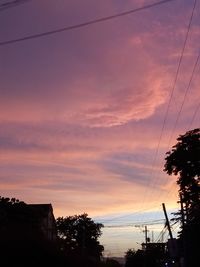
{"type": "Point", "coordinates": [72, 103]}
{"type": "Point", "coordinates": [129, 82]}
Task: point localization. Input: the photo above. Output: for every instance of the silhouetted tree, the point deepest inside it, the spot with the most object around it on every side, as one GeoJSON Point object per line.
{"type": "Point", "coordinates": [15, 219]}
{"type": "Point", "coordinates": [184, 161]}
{"type": "Point", "coordinates": [111, 263]}
{"type": "Point", "coordinates": [153, 256]}
{"type": "Point", "coordinates": [135, 258]}
{"type": "Point", "coordinates": [79, 238]}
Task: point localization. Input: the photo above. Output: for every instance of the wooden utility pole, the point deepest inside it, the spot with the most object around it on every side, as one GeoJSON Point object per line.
{"type": "Point", "coordinates": [146, 238]}
{"type": "Point", "coordinates": [152, 236]}
{"type": "Point", "coordinates": [167, 221]}
{"type": "Point", "coordinates": [172, 241]}
{"type": "Point", "coordinates": [184, 235]}
{"type": "Point", "coordinates": [182, 212]}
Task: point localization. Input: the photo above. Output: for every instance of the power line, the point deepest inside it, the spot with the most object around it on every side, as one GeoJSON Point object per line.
{"type": "Point", "coordinates": [11, 4]}
{"type": "Point", "coordinates": [184, 98]}
{"type": "Point", "coordinates": [182, 104]}
{"type": "Point", "coordinates": [84, 24]}
{"type": "Point", "coordinates": [173, 88]}
{"type": "Point", "coordinates": [176, 77]}
{"type": "Point", "coordinates": [136, 224]}
{"type": "Point", "coordinates": [194, 116]}
{"type": "Point", "coordinates": [161, 235]}
{"type": "Point", "coordinates": [104, 220]}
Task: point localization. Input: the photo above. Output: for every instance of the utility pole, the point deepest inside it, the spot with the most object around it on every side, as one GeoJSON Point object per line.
{"type": "Point", "coordinates": [171, 242]}
{"type": "Point", "coordinates": [184, 234]}
{"type": "Point", "coordinates": [146, 237]}
{"type": "Point", "coordinates": [182, 211]}
{"type": "Point", "coordinates": [167, 221]}
{"type": "Point", "coordinates": [146, 240]}
{"type": "Point", "coordinates": [152, 237]}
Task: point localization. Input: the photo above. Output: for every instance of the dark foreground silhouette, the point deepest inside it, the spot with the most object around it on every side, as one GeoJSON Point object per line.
{"type": "Point", "coordinates": [30, 236]}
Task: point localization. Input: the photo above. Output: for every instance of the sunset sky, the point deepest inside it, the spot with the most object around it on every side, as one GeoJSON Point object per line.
{"type": "Point", "coordinates": [87, 114]}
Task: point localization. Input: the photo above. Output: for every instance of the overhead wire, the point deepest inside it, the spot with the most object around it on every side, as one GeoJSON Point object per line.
{"type": "Point", "coordinates": [195, 112]}
{"type": "Point", "coordinates": [11, 4]}
{"type": "Point", "coordinates": [192, 77]}
{"type": "Point", "coordinates": [146, 194]}
{"type": "Point", "coordinates": [84, 24]}
{"type": "Point", "coordinates": [93, 22]}
{"type": "Point", "coordinates": [135, 224]}
{"type": "Point", "coordinates": [181, 107]}
{"type": "Point", "coordinates": [160, 238]}
{"type": "Point", "coordinates": [104, 220]}
{"type": "Point", "coordinates": [78, 25]}
{"type": "Point", "coordinates": [184, 97]}
{"type": "Point", "coordinates": [194, 116]}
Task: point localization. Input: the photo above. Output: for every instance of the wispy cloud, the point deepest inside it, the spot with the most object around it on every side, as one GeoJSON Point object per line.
{"type": "Point", "coordinates": [81, 112]}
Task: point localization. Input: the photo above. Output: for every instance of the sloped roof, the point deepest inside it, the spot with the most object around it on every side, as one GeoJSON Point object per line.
{"type": "Point", "coordinates": [42, 209]}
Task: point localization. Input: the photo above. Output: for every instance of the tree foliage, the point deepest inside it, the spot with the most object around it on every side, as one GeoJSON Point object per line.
{"type": "Point", "coordinates": [16, 219]}
{"type": "Point", "coordinates": [135, 258]}
{"type": "Point", "coordinates": [111, 263]}
{"type": "Point", "coordinates": [184, 160]}
{"type": "Point", "coordinates": [79, 236]}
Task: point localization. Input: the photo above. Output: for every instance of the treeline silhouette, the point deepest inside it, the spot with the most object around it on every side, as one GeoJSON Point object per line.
{"type": "Point", "coordinates": [182, 161]}
{"type": "Point", "coordinates": [30, 236]}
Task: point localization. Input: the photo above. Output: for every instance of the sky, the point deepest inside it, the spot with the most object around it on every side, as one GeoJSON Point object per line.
{"type": "Point", "coordinates": [88, 114]}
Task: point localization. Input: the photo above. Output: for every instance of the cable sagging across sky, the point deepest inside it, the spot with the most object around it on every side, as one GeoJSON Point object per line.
{"type": "Point", "coordinates": [84, 24]}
